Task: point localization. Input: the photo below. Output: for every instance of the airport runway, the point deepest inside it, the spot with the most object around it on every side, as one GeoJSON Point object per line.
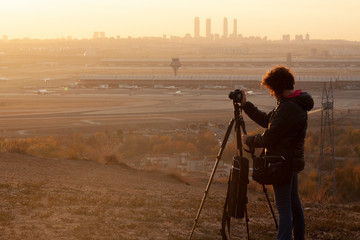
{"type": "Point", "coordinates": [25, 114]}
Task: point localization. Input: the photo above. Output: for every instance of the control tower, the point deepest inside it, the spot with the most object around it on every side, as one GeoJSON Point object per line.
{"type": "Point", "coordinates": [175, 64]}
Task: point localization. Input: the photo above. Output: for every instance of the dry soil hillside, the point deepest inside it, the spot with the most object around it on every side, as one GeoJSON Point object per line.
{"type": "Point", "coordinates": [67, 199]}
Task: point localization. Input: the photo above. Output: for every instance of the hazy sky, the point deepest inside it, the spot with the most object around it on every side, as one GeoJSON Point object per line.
{"type": "Point", "coordinates": [325, 19]}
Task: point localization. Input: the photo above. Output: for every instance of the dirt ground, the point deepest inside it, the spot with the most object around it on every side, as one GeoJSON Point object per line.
{"type": "Point", "coordinates": [67, 199]}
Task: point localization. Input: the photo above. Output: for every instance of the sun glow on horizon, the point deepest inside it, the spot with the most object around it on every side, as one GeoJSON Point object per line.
{"type": "Point", "coordinates": [60, 18]}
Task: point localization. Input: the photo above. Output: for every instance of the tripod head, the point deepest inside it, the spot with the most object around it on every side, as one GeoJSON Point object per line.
{"type": "Point", "coordinates": [236, 96]}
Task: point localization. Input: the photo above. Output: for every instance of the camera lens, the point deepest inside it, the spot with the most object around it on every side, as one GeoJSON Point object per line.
{"type": "Point", "coordinates": [236, 95]}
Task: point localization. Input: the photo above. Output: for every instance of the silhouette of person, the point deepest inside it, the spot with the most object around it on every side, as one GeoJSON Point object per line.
{"type": "Point", "coordinates": [284, 136]}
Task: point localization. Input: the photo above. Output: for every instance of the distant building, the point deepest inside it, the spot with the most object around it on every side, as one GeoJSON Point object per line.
{"type": "Point", "coordinates": [208, 28]}
{"type": "Point", "coordinates": [96, 35]}
{"type": "Point", "coordinates": [163, 161]}
{"type": "Point", "coordinates": [181, 161]}
{"type": "Point", "coordinates": [313, 52]}
{"type": "Point", "coordinates": [286, 38]}
{"type": "Point", "coordinates": [195, 165]}
{"type": "Point", "coordinates": [288, 59]}
{"type": "Point", "coordinates": [90, 53]}
{"type": "Point", "coordinates": [197, 27]}
{"type": "Point", "coordinates": [187, 36]}
{"type": "Point", "coordinates": [99, 35]}
{"type": "Point", "coordinates": [221, 172]}
{"type": "Point", "coordinates": [307, 37]}
{"type": "Point", "coordinates": [299, 38]}
{"type": "Point", "coordinates": [223, 169]}
{"type": "Point", "coordinates": [235, 28]}
{"type": "Point", "coordinates": [5, 38]}
{"type": "Point", "coordinates": [225, 29]}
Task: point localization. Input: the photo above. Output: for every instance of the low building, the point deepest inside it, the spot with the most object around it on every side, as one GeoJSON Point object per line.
{"type": "Point", "coordinates": [163, 161]}
{"type": "Point", "coordinates": [187, 163]}
{"type": "Point", "coordinates": [196, 165]}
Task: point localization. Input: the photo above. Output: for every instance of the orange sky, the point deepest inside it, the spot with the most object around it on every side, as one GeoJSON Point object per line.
{"type": "Point", "coordinates": [322, 19]}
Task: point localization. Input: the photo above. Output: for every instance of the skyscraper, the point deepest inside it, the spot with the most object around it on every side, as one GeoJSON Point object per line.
{"type": "Point", "coordinates": [197, 27]}
{"type": "Point", "coordinates": [96, 35]}
{"type": "Point", "coordinates": [286, 38]}
{"type": "Point", "coordinates": [208, 28]}
{"type": "Point", "coordinates": [235, 28]}
{"type": "Point", "coordinates": [225, 29]}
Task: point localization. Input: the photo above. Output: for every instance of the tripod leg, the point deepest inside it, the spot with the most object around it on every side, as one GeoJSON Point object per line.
{"type": "Point", "coordinates": [225, 219]}
{"type": "Point", "coordinates": [271, 209]}
{"type": "Point", "coordinates": [247, 224]}
{"type": "Point", "coordinates": [228, 131]}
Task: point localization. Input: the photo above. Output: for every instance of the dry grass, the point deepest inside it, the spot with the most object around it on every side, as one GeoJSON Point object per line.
{"type": "Point", "coordinates": [142, 205]}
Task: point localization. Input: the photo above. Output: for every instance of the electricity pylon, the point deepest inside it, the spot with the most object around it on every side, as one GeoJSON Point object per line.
{"type": "Point", "coordinates": [327, 154]}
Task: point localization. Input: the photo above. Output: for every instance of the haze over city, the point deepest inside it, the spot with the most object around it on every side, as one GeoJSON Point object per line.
{"type": "Point", "coordinates": [113, 112]}
{"type": "Point", "coordinates": [55, 19]}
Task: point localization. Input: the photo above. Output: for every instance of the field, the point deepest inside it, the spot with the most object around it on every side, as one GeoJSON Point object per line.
{"type": "Point", "coordinates": [43, 198]}
{"type": "Point", "coordinates": [24, 113]}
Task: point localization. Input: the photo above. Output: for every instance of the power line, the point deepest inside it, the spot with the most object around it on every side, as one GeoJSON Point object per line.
{"type": "Point", "coordinates": [327, 153]}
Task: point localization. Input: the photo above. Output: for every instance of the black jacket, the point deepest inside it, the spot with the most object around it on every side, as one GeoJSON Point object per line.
{"type": "Point", "coordinates": [285, 129]}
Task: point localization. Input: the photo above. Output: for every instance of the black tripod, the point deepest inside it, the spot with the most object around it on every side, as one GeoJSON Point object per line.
{"type": "Point", "coordinates": [239, 125]}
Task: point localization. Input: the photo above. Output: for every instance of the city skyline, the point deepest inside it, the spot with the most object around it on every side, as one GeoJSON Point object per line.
{"type": "Point", "coordinates": [140, 18]}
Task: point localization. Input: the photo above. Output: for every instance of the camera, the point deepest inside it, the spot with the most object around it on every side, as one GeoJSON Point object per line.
{"type": "Point", "coordinates": [236, 95]}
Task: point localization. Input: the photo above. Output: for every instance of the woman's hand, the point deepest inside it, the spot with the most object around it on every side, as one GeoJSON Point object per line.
{"type": "Point", "coordinates": [244, 138]}
{"type": "Point", "coordinates": [243, 99]}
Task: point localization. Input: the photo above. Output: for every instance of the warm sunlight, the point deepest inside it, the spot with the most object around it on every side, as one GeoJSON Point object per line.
{"type": "Point", "coordinates": [61, 18]}
{"type": "Point", "coordinates": [116, 114]}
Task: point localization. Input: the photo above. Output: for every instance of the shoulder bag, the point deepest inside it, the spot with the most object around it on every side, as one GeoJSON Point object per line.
{"type": "Point", "coordinates": [271, 170]}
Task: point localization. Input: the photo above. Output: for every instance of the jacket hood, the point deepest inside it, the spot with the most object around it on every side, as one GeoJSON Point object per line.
{"type": "Point", "coordinates": [303, 99]}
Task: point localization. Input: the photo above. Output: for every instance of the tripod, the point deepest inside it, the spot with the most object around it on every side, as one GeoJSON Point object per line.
{"type": "Point", "coordinates": [239, 125]}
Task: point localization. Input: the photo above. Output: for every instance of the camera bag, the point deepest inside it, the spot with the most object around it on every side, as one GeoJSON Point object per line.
{"type": "Point", "coordinates": [238, 181]}
{"type": "Point", "coordinates": [271, 170]}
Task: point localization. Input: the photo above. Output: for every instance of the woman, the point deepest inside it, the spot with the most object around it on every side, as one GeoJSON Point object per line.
{"type": "Point", "coordinates": [284, 136]}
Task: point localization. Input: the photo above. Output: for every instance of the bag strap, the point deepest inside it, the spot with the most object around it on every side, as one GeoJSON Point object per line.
{"type": "Point", "coordinates": [225, 218]}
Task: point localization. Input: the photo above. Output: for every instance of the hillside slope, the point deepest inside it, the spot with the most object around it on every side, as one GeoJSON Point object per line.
{"type": "Point", "coordinates": [68, 199]}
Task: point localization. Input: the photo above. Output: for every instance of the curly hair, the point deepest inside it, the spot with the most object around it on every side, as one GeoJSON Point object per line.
{"type": "Point", "coordinates": [278, 79]}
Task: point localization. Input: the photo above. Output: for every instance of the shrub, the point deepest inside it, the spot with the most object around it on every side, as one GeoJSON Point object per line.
{"type": "Point", "coordinates": [15, 145]}
{"type": "Point", "coordinates": [308, 185]}
{"type": "Point", "coordinates": [348, 182]}
{"type": "Point", "coordinates": [44, 147]}
{"type": "Point", "coordinates": [111, 159]}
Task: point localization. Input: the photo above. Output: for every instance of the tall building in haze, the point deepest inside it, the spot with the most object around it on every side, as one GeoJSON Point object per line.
{"type": "Point", "coordinates": [286, 38]}
{"type": "Point", "coordinates": [225, 29]}
{"type": "Point", "coordinates": [208, 28]}
{"type": "Point", "coordinates": [96, 35]}
{"type": "Point", "coordinates": [235, 28]}
{"type": "Point", "coordinates": [197, 27]}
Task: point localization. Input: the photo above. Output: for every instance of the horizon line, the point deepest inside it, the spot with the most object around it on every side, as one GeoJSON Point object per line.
{"type": "Point", "coordinates": [174, 37]}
